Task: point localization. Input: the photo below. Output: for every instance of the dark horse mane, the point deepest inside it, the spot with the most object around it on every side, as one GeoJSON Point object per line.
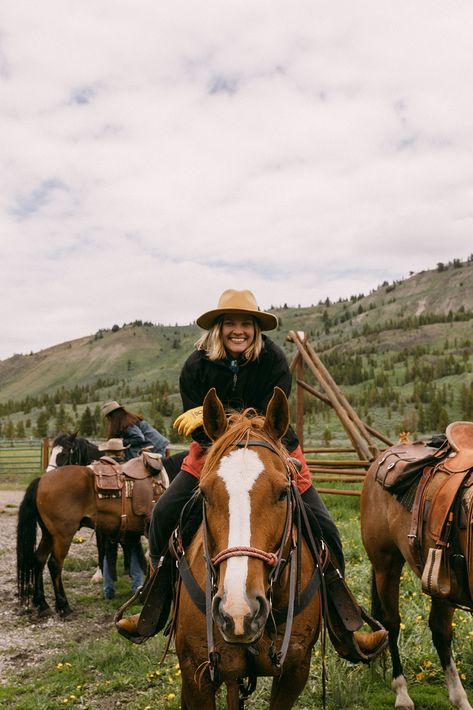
{"type": "Point", "coordinates": [75, 449]}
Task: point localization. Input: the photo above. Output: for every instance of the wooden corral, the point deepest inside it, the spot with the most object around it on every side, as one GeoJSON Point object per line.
{"type": "Point", "coordinates": [361, 435]}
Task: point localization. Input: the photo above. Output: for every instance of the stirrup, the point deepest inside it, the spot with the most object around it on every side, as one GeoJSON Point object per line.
{"type": "Point", "coordinates": [346, 645]}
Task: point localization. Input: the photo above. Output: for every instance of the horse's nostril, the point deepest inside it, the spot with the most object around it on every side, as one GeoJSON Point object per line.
{"type": "Point", "coordinates": [217, 600]}
{"type": "Point", "coordinates": [263, 605]}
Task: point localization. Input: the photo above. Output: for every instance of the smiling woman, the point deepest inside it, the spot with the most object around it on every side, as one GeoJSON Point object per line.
{"type": "Point", "coordinates": [244, 368]}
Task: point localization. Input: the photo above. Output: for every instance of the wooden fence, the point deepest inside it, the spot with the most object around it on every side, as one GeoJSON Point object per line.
{"type": "Point", "coordinates": [360, 435]}
{"type": "Point", "coordinates": [349, 471]}
{"type": "Point", "coordinates": [23, 456]}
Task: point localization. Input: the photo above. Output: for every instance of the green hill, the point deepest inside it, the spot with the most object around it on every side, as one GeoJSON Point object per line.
{"type": "Point", "coordinates": [397, 352]}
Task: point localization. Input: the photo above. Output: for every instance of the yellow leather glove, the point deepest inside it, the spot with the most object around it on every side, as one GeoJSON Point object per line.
{"type": "Point", "coordinates": [188, 421]}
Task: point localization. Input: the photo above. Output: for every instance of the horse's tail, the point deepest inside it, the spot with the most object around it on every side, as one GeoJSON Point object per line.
{"type": "Point", "coordinates": [26, 541]}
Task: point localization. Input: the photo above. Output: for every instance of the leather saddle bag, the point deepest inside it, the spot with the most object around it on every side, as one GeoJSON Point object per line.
{"type": "Point", "coordinates": [399, 466]}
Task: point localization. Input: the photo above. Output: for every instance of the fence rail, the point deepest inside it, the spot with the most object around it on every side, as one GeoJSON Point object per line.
{"type": "Point", "coordinates": [324, 470]}
{"type": "Point", "coordinates": [23, 456]}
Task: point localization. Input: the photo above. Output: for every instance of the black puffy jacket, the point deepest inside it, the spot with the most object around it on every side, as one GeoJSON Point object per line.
{"type": "Point", "coordinates": [252, 386]}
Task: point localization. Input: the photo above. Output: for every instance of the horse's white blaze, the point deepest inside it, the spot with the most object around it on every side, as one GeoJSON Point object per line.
{"type": "Point", "coordinates": [456, 692]}
{"type": "Point", "coordinates": [403, 700]}
{"type": "Point", "coordinates": [239, 471]}
{"type": "Point", "coordinates": [52, 459]}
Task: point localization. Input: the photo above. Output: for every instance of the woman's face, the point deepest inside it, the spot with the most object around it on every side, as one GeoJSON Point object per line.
{"type": "Point", "coordinates": [238, 333]}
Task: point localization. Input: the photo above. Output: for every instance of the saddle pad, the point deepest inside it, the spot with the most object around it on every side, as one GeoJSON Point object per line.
{"type": "Point", "coordinates": [407, 497]}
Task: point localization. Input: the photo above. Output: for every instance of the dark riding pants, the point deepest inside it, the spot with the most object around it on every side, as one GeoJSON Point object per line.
{"type": "Point", "coordinates": [167, 510]}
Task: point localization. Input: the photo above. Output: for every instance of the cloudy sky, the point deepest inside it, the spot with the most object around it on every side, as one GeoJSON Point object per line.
{"type": "Point", "coordinates": [154, 154]}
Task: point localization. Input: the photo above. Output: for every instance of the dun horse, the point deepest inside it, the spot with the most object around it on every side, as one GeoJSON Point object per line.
{"type": "Point", "coordinates": [62, 501]}
{"type": "Point", "coordinates": [248, 557]}
{"type": "Point", "coordinates": [386, 528]}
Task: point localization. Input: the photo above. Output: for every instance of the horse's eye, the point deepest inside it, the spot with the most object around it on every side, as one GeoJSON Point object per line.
{"type": "Point", "coordinates": [283, 494]}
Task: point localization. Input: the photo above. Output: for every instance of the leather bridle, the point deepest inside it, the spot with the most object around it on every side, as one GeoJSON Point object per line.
{"type": "Point", "coordinates": [274, 560]}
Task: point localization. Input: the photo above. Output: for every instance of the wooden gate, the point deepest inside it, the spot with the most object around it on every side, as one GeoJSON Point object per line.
{"type": "Point", "coordinates": [23, 456]}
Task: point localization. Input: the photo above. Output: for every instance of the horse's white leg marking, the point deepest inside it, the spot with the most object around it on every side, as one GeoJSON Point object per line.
{"type": "Point", "coordinates": [403, 700]}
{"type": "Point", "coordinates": [239, 470]}
{"type": "Point", "coordinates": [52, 459]}
{"type": "Point", "coordinates": [456, 692]}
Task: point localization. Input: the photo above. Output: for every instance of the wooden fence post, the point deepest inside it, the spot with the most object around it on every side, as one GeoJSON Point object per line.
{"type": "Point", "coordinates": [45, 453]}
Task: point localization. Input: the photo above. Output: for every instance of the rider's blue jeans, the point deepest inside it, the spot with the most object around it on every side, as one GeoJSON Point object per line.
{"type": "Point", "coordinates": [136, 574]}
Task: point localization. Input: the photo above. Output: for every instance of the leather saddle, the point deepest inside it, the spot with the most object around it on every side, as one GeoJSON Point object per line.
{"type": "Point", "coordinates": [437, 513]}
{"type": "Point", "coordinates": [460, 438]}
{"type": "Point", "coordinates": [142, 479]}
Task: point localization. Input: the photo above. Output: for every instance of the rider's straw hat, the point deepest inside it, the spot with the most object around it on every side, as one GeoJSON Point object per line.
{"type": "Point", "coordinates": [113, 445]}
{"type": "Point", "coordinates": [110, 407]}
{"type": "Point", "coordinates": [241, 302]}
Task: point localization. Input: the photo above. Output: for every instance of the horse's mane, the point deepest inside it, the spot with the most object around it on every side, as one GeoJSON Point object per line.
{"type": "Point", "coordinates": [76, 450]}
{"type": "Point", "coordinates": [242, 426]}
{"type": "Point", "coordinates": [64, 438]}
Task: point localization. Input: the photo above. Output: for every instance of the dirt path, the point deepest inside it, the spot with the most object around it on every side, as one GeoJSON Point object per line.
{"type": "Point", "coordinates": [26, 639]}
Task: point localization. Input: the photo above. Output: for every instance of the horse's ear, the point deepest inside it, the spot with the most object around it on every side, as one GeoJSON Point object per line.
{"type": "Point", "coordinates": [277, 414]}
{"type": "Point", "coordinates": [215, 420]}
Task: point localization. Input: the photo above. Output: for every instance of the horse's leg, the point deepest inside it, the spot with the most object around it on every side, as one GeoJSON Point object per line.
{"type": "Point", "coordinates": [41, 555]}
{"type": "Point", "coordinates": [440, 623]}
{"type": "Point", "coordinates": [233, 696]}
{"type": "Point", "coordinates": [385, 608]}
{"type": "Point", "coordinates": [55, 565]}
{"type": "Point", "coordinates": [287, 687]}
{"type": "Point", "coordinates": [193, 695]}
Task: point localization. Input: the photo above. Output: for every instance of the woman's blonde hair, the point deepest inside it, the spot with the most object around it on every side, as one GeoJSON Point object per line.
{"type": "Point", "coordinates": [212, 342]}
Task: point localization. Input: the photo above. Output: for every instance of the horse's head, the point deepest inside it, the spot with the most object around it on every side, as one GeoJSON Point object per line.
{"type": "Point", "coordinates": [69, 448]}
{"type": "Point", "coordinates": [60, 450]}
{"type": "Point", "coordinates": [245, 485]}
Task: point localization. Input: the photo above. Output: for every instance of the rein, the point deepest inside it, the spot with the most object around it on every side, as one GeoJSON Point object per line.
{"type": "Point", "coordinates": [274, 560]}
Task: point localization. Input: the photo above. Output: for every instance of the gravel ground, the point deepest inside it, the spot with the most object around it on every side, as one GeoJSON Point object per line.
{"type": "Point", "coordinates": [25, 639]}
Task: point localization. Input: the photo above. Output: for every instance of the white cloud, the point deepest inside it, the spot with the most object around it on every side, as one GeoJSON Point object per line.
{"type": "Point", "coordinates": [155, 154]}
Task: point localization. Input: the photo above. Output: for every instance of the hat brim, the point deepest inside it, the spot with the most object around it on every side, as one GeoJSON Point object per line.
{"type": "Point", "coordinates": [266, 320]}
{"type": "Point", "coordinates": [105, 448]}
{"type": "Point", "coordinates": [112, 407]}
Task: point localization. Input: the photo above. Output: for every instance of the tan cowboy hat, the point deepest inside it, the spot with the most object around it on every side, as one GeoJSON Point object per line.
{"type": "Point", "coordinates": [243, 302]}
{"type": "Point", "coordinates": [110, 407]}
{"type": "Point", "coordinates": [113, 445]}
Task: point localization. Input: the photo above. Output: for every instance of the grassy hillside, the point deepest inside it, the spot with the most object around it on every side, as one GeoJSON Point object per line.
{"type": "Point", "coordinates": [396, 351]}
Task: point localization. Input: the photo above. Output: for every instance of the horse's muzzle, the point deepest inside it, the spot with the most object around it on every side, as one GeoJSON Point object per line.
{"type": "Point", "coordinates": [241, 628]}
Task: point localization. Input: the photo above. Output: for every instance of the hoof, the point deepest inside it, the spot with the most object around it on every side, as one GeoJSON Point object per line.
{"type": "Point", "coordinates": [45, 612]}
{"type": "Point", "coordinates": [65, 613]}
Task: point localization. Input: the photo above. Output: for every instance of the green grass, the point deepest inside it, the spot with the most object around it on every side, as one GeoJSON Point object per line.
{"type": "Point", "coordinates": [102, 669]}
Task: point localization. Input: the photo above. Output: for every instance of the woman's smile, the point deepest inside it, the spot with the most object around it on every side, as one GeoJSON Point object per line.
{"type": "Point", "coordinates": [237, 334]}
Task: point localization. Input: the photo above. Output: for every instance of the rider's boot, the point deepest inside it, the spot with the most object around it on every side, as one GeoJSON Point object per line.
{"type": "Point", "coordinates": [345, 615]}
{"type": "Point", "coordinates": [156, 597]}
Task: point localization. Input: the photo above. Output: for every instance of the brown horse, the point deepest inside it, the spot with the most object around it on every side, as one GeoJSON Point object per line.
{"type": "Point", "coordinates": [241, 555]}
{"type": "Point", "coordinates": [61, 501]}
{"type": "Point", "coordinates": [385, 526]}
